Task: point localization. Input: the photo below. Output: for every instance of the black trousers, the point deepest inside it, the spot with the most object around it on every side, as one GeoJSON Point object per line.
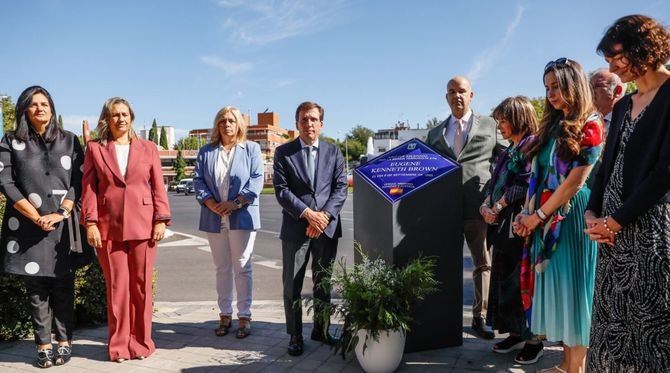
{"type": "Point", "coordinates": [51, 304]}
{"type": "Point", "coordinates": [295, 256]}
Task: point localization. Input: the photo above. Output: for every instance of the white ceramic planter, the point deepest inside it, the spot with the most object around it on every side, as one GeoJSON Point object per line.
{"type": "Point", "coordinates": [381, 356]}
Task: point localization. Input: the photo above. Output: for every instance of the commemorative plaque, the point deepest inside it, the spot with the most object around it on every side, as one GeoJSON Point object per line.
{"type": "Point", "coordinates": [407, 202]}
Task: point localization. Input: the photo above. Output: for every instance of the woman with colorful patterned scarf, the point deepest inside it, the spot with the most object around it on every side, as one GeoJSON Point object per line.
{"type": "Point", "coordinates": [559, 261]}
{"type": "Point", "coordinates": [517, 122]}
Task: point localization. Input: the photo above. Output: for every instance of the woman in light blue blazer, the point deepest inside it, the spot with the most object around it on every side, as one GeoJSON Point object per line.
{"type": "Point", "coordinates": [228, 180]}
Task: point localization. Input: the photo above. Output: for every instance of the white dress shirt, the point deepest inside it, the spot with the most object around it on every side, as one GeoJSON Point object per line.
{"type": "Point", "coordinates": [122, 152]}
{"type": "Point", "coordinates": [453, 123]}
{"type": "Point", "coordinates": [223, 177]}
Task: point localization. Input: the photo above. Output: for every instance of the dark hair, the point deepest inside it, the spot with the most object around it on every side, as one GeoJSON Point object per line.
{"type": "Point", "coordinates": [22, 131]}
{"type": "Point", "coordinates": [644, 41]}
{"type": "Point", "coordinates": [519, 112]}
{"type": "Point", "coordinates": [307, 106]}
{"type": "Point", "coordinates": [576, 92]}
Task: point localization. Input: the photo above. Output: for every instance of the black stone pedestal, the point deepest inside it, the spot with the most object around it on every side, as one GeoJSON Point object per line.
{"type": "Point", "coordinates": [426, 222]}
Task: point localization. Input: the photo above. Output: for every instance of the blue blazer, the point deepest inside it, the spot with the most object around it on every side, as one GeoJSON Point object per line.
{"type": "Point", "coordinates": [295, 193]}
{"type": "Point", "coordinates": [246, 178]}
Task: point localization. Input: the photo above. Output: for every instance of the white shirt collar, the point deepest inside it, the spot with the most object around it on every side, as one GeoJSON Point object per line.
{"type": "Point", "coordinates": [465, 118]}
{"type": "Point", "coordinates": [608, 117]}
{"type": "Point", "coordinates": [303, 144]}
{"type": "Point", "coordinates": [240, 144]}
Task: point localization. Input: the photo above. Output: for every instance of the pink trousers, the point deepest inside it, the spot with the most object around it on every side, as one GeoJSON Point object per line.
{"type": "Point", "coordinates": [128, 268]}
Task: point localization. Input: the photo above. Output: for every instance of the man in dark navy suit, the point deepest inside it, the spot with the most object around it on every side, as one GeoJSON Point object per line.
{"type": "Point", "coordinates": [311, 186]}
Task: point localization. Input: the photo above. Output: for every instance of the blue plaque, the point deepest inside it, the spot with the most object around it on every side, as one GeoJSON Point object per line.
{"type": "Point", "coordinates": [405, 169]}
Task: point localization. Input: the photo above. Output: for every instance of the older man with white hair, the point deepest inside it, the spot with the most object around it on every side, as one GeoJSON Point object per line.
{"type": "Point", "coordinates": [607, 90]}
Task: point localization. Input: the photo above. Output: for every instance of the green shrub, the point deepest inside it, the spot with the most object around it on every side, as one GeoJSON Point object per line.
{"type": "Point", "coordinates": [90, 296]}
{"type": "Point", "coordinates": [376, 296]}
{"type": "Point", "coordinates": [90, 300]}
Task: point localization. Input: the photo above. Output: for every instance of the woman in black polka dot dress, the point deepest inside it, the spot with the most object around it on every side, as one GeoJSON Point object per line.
{"type": "Point", "coordinates": [40, 175]}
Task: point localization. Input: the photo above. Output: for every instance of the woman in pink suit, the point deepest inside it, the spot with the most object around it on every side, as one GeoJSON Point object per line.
{"type": "Point", "coordinates": [125, 210]}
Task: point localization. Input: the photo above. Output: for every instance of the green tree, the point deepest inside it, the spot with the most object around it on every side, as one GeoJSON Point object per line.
{"type": "Point", "coordinates": [60, 121]}
{"type": "Point", "coordinates": [329, 139]}
{"type": "Point", "coordinates": [153, 133]}
{"type": "Point", "coordinates": [189, 143]}
{"type": "Point", "coordinates": [179, 166]}
{"type": "Point", "coordinates": [8, 114]}
{"type": "Point", "coordinates": [538, 105]}
{"type": "Point", "coordinates": [357, 140]}
{"type": "Point", "coordinates": [631, 87]}
{"type": "Point", "coordinates": [163, 141]}
{"type": "Point", "coordinates": [361, 134]}
{"type": "Point", "coordinates": [432, 123]}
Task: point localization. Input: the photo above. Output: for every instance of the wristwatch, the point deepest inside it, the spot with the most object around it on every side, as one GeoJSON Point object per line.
{"type": "Point", "coordinates": [238, 203]}
{"type": "Point", "coordinates": [498, 206]}
{"type": "Point", "coordinates": [63, 212]}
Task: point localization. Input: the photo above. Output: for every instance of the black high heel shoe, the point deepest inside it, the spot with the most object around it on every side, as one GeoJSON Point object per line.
{"type": "Point", "coordinates": [63, 355]}
{"type": "Point", "coordinates": [45, 358]}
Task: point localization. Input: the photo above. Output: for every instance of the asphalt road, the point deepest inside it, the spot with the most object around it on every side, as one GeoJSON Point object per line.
{"type": "Point", "coordinates": [186, 270]}
{"type": "Point", "coordinates": [185, 267]}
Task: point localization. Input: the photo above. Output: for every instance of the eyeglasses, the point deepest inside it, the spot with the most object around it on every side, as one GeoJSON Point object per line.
{"type": "Point", "coordinates": [561, 62]}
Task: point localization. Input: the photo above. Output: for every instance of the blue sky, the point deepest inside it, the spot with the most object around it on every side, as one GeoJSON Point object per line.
{"type": "Point", "coordinates": [367, 62]}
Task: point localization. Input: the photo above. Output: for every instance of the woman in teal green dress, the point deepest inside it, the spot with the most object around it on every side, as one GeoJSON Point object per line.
{"type": "Point", "coordinates": [559, 260]}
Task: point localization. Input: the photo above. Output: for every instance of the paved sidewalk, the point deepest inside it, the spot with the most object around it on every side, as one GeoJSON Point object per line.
{"type": "Point", "coordinates": [185, 342]}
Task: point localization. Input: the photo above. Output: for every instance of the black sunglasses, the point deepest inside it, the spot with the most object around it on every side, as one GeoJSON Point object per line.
{"type": "Point", "coordinates": [561, 62]}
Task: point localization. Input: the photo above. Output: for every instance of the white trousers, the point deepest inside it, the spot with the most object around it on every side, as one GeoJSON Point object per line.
{"type": "Point", "coordinates": [231, 251]}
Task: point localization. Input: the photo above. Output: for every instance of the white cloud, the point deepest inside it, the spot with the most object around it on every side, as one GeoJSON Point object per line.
{"type": "Point", "coordinates": [73, 123]}
{"type": "Point", "coordinates": [265, 21]}
{"type": "Point", "coordinates": [284, 83]}
{"type": "Point", "coordinates": [488, 56]}
{"type": "Point", "coordinates": [228, 67]}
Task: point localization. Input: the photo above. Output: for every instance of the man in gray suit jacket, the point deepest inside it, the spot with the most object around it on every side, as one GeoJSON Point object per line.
{"type": "Point", "coordinates": [311, 187]}
{"type": "Point", "coordinates": [473, 141]}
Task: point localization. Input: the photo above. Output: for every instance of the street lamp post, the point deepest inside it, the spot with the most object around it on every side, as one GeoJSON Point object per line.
{"type": "Point", "coordinates": [346, 153]}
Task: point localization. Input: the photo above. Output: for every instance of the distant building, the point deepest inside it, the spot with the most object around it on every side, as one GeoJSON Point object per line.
{"type": "Point", "coordinates": [387, 139]}
{"type": "Point", "coordinates": [168, 158]}
{"type": "Point", "coordinates": [169, 131]}
{"type": "Point", "coordinates": [266, 133]}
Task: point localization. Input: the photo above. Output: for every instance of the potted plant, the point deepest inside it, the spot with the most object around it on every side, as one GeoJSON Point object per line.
{"type": "Point", "coordinates": [377, 301]}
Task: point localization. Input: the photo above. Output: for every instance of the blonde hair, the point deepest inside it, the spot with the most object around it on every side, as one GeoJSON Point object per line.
{"type": "Point", "coordinates": [103, 122]}
{"type": "Point", "coordinates": [241, 134]}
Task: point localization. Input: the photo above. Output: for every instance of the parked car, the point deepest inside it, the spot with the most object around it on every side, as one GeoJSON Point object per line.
{"type": "Point", "coordinates": [189, 187]}
{"type": "Point", "coordinates": [182, 184]}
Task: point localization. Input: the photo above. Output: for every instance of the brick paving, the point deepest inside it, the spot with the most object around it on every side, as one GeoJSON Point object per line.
{"type": "Point", "coordinates": [185, 341]}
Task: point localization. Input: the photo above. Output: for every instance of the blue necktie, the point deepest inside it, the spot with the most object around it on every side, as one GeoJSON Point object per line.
{"type": "Point", "coordinates": [310, 165]}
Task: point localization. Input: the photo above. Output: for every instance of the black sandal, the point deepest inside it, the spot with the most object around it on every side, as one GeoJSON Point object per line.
{"type": "Point", "coordinates": [530, 353]}
{"type": "Point", "coordinates": [45, 358]}
{"type": "Point", "coordinates": [243, 328]}
{"type": "Point", "coordinates": [224, 326]}
{"type": "Point", "coordinates": [63, 354]}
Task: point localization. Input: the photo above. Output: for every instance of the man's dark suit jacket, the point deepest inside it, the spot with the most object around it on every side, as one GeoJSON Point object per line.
{"type": "Point", "coordinates": [646, 176]}
{"type": "Point", "coordinates": [294, 192]}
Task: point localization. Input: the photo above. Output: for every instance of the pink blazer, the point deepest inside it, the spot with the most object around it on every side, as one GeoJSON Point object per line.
{"type": "Point", "coordinates": [124, 208]}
